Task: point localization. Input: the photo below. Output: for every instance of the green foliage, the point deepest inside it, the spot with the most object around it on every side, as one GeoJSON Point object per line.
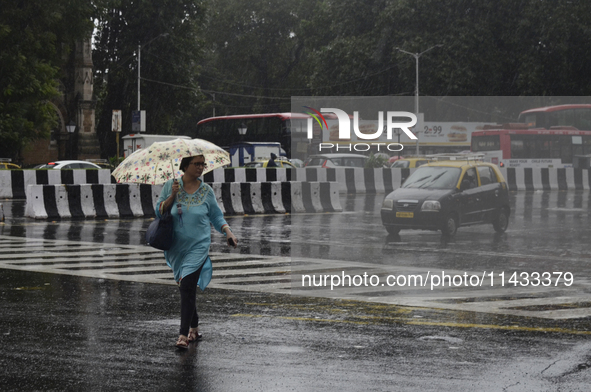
{"type": "Point", "coordinates": [254, 55]}
{"type": "Point", "coordinates": [114, 161]}
{"type": "Point", "coordinates": [375, 161]}
{"type": "Point", "coordinates": [33, 37]}
{"type": "Point", "coordinates": [236, 56]}
{"type": "Point", "coordinates": [171, 40]}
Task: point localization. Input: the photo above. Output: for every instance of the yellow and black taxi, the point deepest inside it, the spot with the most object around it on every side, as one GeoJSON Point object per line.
{"type": "Point", "coordinates": [5, 164]}
{"type": "Point", "coordinates": [409, 163]}
{"type": "Point", "coordinates": [446, 195]}
{"type": "Point", "coordinates": [8, 166]}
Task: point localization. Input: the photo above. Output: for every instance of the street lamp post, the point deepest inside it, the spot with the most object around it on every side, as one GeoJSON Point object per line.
{"type": "Point", "coordinates": [139, 66]}
{"type": "Point", "coordinates": [71, 128]}
{"type": "Point", "coordinates": [242, 131]}
{"type": "Point", "coordinates": [139, 63]}
{"type": "Point", "coordinates": [416, 56]}
{"type": "Point", "coordinates": [64, 140]}
{"type": "Point", "coordinates": [398, 132]}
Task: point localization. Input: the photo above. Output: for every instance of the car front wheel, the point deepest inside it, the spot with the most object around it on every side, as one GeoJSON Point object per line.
{"type": "Point", "coordinates": [450, 226]}
{"type": "Point", "coordinates": [501, 222]}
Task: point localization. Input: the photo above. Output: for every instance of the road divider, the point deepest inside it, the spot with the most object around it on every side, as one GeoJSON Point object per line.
{"type": "Point", "coordinates": [382, 180]}
{"type": "Point", "coordinates": [350, 180]}
{"type": "Point", "coordinates": [547, 179]}
{"type": "Point", "coordinates": [138, 200]}
{"type": "Point", "coordinates": [14, 183]}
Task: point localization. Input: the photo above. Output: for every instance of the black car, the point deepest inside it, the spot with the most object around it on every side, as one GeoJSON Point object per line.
{"type": "Point", "coordinates": [446, 195]}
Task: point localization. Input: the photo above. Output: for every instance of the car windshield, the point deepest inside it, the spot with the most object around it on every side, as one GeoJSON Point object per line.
{"type": "Point", "coordinates": [315, 162]}
{"type": "Point", "coordinates": [435, 177]}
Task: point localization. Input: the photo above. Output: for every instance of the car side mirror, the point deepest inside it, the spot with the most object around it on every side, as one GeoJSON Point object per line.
{"type": "Point", "coordinates": [465, 184]}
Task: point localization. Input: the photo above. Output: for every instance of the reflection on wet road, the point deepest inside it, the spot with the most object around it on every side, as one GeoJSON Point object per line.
{"type": "Point", "coordinates": [548, 233]}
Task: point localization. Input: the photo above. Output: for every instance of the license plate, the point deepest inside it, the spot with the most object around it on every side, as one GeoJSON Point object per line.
{"type": "Point", "coordinates": [404, 215]}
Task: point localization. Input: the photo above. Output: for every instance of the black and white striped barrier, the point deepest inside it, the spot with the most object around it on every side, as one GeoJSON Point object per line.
{"type": "Point", "coordinates": [137, 200]}
{"type": "Point", "coordinates": [350, 180]}
{"type": "Point", "coordinates": [563, 179]}
{"type": "Point", "coordinates": [91, 200]}
{"type": "Point", "coordinates": [381, 180]}
{"type": "Point", "coordinates": [356, 180]}
{"type": "Point", "coordinates": [248, 175]}
{"type": "Point", "coordinates": [14, 183]}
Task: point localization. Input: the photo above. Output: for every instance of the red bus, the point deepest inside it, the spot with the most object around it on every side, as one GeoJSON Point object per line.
{"type": "Point", "coordinates": [265, 127]}
{"type": "Point", "coordinates": [545, 137]}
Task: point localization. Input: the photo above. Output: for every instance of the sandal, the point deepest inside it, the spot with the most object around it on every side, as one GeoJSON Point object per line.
{"type": "Point", "coordinates": [183, 342]}
{"type": "Point", "coordinates": [194, 335]}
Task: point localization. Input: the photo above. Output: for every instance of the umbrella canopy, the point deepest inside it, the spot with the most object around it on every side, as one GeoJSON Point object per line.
{"type": "Point", "coordinates": [160, 162]}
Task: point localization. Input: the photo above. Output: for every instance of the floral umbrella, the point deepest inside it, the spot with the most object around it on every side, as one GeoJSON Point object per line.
{"type": "Point", "coordinates": [160, 162]}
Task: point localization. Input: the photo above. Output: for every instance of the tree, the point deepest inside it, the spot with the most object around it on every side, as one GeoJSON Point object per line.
{"type": "Point", "coordinates": [254, 54]}
{"type": "Point", "coordinates": [170, 35]}
{"type": "Point", "coordinates": [36, 39]}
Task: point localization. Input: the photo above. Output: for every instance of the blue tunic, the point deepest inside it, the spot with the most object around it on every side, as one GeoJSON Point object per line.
{"type": "Point", "coordinates": [192, 230]}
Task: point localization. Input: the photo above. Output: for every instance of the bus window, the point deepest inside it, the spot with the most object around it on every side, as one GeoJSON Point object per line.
{"type": "Point", "coordinates": [561, 117]}
{"type": "Point", "coordinates": [544, 147]}
{"type": "Point", "coordinates": [578, 118]}
{"type": "Point", "coordinates": [587, 145]}
{"type": "Point", "coordinates": [530, 120]}
{"type": "Point", "coordinates": [566, 153]}
{"type": "Point", "coordinates": [584, 121]}
{"type": "Point", "coordinates": [516, 148]}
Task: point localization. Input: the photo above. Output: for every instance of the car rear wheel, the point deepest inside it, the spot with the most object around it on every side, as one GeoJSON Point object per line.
{"type": "Point", "coordinates": [450, 226]}
{"type": "Point", "coordinates": [501, 222]}
{"type": "Point", "coordinates": [392, 230]}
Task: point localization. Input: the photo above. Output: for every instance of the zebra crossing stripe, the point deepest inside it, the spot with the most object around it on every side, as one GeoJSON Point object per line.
{"type": "Point", "coordinates": [276, 274]}
{"type": "Point", "coordinates": [138, 263]}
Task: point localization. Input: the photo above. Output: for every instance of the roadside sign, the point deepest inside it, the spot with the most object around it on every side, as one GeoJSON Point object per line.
{"type": "Point", "coordinates": [116, 121]}
{"type": "Point", "coordinates": [138, 121]}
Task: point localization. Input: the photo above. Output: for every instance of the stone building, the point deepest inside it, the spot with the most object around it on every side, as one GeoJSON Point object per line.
{"type": "Point", "coordinates": [74, 106]}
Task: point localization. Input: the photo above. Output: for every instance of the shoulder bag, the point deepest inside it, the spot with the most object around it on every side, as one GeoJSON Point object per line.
{"type": "Point", "coordinates": [160, 232]}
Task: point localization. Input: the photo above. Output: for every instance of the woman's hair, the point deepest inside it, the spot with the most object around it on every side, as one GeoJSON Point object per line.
{"type": "Point", "coordinates": [185, 162]}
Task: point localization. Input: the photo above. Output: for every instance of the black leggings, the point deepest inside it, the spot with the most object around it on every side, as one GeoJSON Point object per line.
{"type": "Point", "coordinates": [188, 288]}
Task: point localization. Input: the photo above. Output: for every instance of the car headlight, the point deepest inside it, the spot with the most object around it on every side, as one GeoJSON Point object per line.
{"type": "Point", "coordinates": [388, 204]}
{"type": "Point", "coordinates": [431, 205]}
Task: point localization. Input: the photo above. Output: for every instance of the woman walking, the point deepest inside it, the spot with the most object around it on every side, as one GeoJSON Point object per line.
{"type": "Point", "coordinates": [194, 209]}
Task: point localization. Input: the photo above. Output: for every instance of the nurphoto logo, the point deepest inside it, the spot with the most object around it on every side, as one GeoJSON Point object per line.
{"type": "Point", "coordinates": [339, 133]}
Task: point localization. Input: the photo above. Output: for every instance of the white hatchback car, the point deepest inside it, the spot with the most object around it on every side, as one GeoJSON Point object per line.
{"type": "Point", "coordinates": [69, 165]}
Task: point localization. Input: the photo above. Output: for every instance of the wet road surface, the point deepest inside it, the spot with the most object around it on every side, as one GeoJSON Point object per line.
{"type": "Point", "coordinates": [69, 332]}
{"type": "Point", "coordinates": [63, 332]}
{"type": "Point", "coordinates": [538, 268]}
